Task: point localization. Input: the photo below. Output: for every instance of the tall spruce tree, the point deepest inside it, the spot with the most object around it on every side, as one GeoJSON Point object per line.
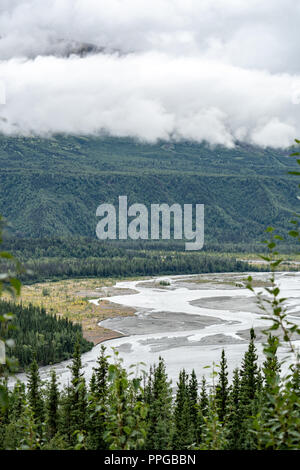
{"type": "Point", "coordinates": [249, 388]}
{"type": "Point", "coordinates": [78, 395]}
{"type": "Point", "coordinates": [182, 436]}
{"type": "Point", "coordinates": [92, 384]}
{"type": "Point", "coordinates": [101, 374]}
{"type": "Point", "coordinates": [203, 408]}
{"type": "Point", "coordinates": [17, 400]}
{"type": "Point", "coordinates": [52, 406]}
{"type": "Point", "coordinates": [65, 422]}
{"type": "Point", "coordinates": [249, 373]}
{"type": "Point", "coordinates": [234, 413]}
{"type": "Point", "coordinates": [194, 408]}
{"type": "Point", "coordinates": [148, 386]}
{"type": "Point", "coordinates": [203, 398]}
{"type": "Point", "coordinates": [35, 397]}
{"type": "Point", "coordinates": [159, 434]}
{"type": "Point", "coordinates": [97, 408]}
{"type": "Point", "coordinates": [222, 390]}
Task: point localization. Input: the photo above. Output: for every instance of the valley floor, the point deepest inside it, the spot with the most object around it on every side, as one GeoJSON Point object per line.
{"type": "Point", "coordinates": [71, 299]}
{"type": "Point", "coordinates": [187, 320]}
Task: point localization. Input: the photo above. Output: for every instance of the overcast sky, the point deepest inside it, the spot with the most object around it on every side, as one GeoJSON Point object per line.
{"type": "Point", "coordinates": [214, 70]}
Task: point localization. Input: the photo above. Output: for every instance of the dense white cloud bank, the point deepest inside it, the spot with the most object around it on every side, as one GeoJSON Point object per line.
{"type": "Point", "coordinates": [217, 70]}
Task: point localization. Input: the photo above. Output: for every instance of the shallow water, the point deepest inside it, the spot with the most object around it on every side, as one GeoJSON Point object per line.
{"type": "Point", "coordinates": [186, 324]}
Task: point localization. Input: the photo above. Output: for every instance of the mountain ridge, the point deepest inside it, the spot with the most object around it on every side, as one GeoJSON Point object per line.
{"type": "Point", "coordinates": [53, 186]}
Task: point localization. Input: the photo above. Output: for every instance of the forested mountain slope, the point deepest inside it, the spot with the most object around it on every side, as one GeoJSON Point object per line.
{"type": "Point", "coordinates": [53, 186]}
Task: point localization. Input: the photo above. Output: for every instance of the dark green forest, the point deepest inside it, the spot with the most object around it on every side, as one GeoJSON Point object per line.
{"type": "Point", "coordinates": [128, 264]}
{"type": "Point", "coordinates": [40, 335]}
{"type": "Point", "coordinates": [52, 187]}
{"type": "Point", "coordinates": [117, 412]}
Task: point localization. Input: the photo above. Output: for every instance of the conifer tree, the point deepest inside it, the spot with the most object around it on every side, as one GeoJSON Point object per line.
{"type": "Point", "coordinates": [5, 410]}
{"type": "Point", "coordinates": [78, 396]}
{"type": "Point", "coordinates": [203, 408]}
{"type": "Point", "coordinates": [249, 389]}
{"type": "Point", "coordinates": [203, 398]}
{"type": "Point", "coordinates": [222, 388]}
{"type": "Point", "coordinates": [234, 413]}
{"type": "Point", "coordinates": [35, 397]}
{"type": "Point", "coordinates": [249, 372]}
{"type": "Point", "coordinates": [182, 436]}
{"type": "Point", "coordinates": [101, 373]}
{"type": "Point", "coordinates": [148, 386]}
{"type": "Point", "coordinates": [52, 406]}
{"type": "Point", "coordinates": [17, 401]}
{"type": "Point", "coordinates": [65, 422]}
{"type": "Point", "coordinates": [92, 384]}
{"type": "Point", "coordinates": [194, 407]}
{"type": "Point", "coordinates": [159, 415]}
{"type": "Point", "coordinates": [11, 433]}
{"type": "Point", "coordinates": [259, 384]}
{"type": "Point", "coordinates": [98, 402]}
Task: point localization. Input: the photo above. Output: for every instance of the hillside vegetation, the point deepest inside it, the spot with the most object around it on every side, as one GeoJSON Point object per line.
{"type": "Point", "coordinates": [53, 186]}
{"type": "Point", "coordinates": [36, 334]}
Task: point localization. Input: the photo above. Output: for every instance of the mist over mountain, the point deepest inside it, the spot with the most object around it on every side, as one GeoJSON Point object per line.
{"type": "Point", "coordinates": [63, 48]}
{"type": "Point", "coordinates": [215, 71]}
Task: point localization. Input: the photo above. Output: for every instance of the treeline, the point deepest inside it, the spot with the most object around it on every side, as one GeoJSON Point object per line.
{"type": "Point", "coordinates": [37, 334]}
{"type": "Point", "coordinates": [56, 268]}
{"type": "Point", "coordinates": [115, 411]}
{"type": "Point", "coordinates": [26, 249]}
{"type": "Point", "coordinates": [58, 258]}
{"type": "Point", "coordinates": [64, 247]}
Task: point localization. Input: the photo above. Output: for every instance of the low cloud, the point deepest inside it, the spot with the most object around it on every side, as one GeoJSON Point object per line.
{"type": "Point", "coordinates": [217, 70]}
